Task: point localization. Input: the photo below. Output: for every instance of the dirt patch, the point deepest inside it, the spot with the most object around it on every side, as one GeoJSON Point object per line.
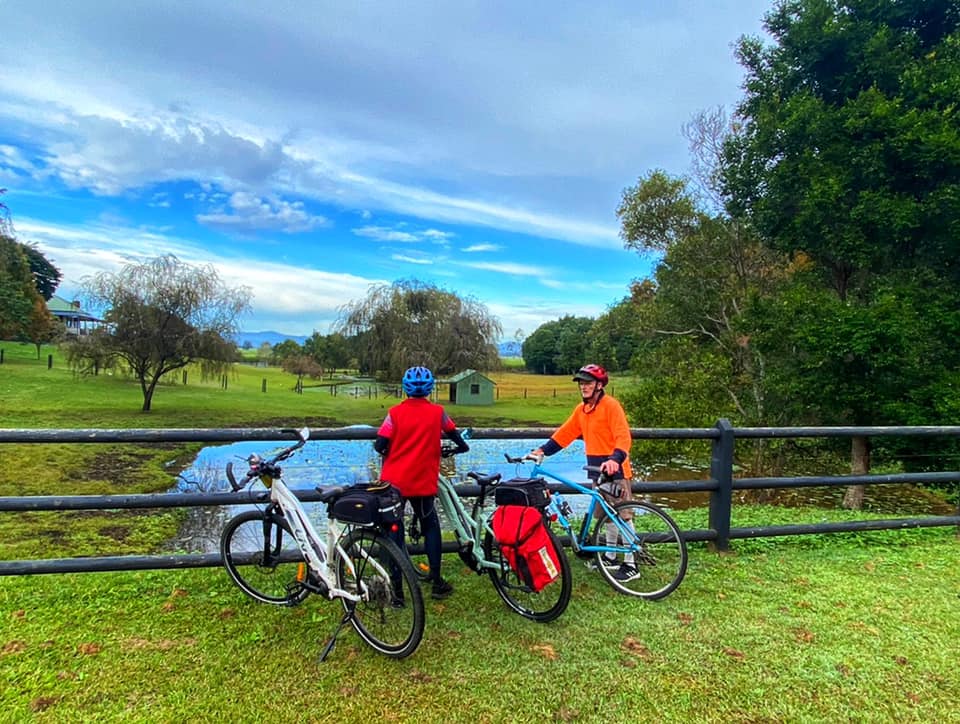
{"type": "Point", "coordinates": [117, 532]}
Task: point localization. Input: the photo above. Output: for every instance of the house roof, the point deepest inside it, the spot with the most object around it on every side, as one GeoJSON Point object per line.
{"type": "Point", "coordinates": [60, 307]}
{"type": "Point", "coordinates": [460, 376]}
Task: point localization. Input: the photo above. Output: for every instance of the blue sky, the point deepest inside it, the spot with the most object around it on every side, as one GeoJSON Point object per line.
{"type": "Point", "coordinates": [310, 150]}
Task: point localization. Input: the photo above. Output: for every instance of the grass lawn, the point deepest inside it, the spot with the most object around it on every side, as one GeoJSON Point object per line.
{"type": "Point", "coordinates": [853, 627]}
{"type": "Point", "coordinates": [860, 629]}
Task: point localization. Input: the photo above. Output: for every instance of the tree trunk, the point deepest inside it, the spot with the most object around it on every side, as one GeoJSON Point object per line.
{"type": "Point", "coordinates": [859, 465]}
{"type": "Point", "coordinates": [148, 391]}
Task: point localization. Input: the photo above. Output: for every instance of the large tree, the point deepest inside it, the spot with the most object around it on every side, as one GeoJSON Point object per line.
{"type": "Point", "coordinates": [160, 316]}
{"type": "Point", "coordinates": [850, 155]}
{"type": "Point", "coordinates": [558, 347]}
{"type": "Point", "coordinates": [46, 276]}
{"type": "Point", "coordinates": [411, 322]}
{"type": "Point", "coordinates": [18, 293]}
{"type": "Point", "coordinates": [711, 265]}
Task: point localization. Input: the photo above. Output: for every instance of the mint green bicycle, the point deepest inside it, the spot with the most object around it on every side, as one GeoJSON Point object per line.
{"type": "Point", "coordinates": [479, 550]}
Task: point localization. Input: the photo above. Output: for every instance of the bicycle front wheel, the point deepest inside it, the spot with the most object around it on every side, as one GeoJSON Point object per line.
{"type": "Point", "coordinates": [543, 605]}
{"type": "Point", "coordinates": [389, 615]}
{"type": "Point", "coordinates": [263, 559]}
{"type": "Point", "coordinates": [650, 565]}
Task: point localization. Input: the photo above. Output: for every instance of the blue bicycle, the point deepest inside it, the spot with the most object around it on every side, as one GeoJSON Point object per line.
{"type": "Point", "coordinates": [635, 545]}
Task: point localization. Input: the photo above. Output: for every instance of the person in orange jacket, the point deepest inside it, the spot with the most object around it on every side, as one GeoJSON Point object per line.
{"type": "Point", "coordinates": [602, 424]}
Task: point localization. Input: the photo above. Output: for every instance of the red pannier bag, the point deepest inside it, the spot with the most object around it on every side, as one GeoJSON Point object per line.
{"type": "Point", "coordinates": [526, 544]}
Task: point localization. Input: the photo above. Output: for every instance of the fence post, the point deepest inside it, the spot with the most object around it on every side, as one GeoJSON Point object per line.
{"type": "Point", "coordinates": [184, 377]}
{"type": "Point", "coordinates": [263, 385]}
{"type": "Point", "coordinates": [721, 499]}
{"type": "Point", "coordinates": [49, 361]}
{"type": "Point", "coordinates": [1, 356]}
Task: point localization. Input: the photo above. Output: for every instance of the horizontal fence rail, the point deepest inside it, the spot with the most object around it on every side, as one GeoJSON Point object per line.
{"type": "Point", "coordinates": [721, 484]}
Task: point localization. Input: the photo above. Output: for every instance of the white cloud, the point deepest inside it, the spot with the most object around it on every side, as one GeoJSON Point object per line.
{"type": "Point", "coordinates": [411, 259]}
{"type": "Point", "coordinates": [380, 233]}
{"type": "Point", "coordinates": [481, 247]}
{"type": "Point", "coordinates": [306, 298]}
{"type": "Point", "coordinates": [247, 212]}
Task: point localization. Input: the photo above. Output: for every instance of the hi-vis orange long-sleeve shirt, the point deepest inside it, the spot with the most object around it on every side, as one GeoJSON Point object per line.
{"type": "Point", "coordinates": [604, 429]}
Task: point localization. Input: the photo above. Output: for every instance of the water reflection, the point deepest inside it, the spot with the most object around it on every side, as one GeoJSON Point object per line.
{"type": "Point", "coordinates": [344, 462]}
{"type": "Point", "coordinates": [337, 462]}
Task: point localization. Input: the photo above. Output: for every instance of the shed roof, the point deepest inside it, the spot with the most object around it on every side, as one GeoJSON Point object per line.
{"type": "Point", "coordinates": [460, 376]}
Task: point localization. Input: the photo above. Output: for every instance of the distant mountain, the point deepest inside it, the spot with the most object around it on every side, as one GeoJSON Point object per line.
{"type": "Point", "coordinates": [258, 338]}
{"type": "Point", "coordinates": [510, 349]}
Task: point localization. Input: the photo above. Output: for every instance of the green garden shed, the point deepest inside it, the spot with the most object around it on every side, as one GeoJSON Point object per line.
{"type": "Point", "coordinates": [471, 388]}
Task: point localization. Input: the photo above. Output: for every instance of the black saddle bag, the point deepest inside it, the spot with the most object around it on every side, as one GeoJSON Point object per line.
{"type": "Point", "coordinates": [373, 504]}
{"type": "Point", "coordinates": [530, 492]}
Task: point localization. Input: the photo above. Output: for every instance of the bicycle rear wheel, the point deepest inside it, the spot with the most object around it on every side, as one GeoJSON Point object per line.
{"type": "Point", "coordinates": [263, 559]}
{"type": "Point", "coordinates": [543, 605]}
{"type": "Point", "coordinates": [390, 615]}
{"type": "Point", "coordinates": [653, 564]}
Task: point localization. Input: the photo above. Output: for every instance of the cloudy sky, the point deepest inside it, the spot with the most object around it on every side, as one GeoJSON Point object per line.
{"type": "Point", "coordinates": [310, 150]}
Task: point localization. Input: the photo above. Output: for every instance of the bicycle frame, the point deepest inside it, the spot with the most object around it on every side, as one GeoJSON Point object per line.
{"type": "Point", "coordinates": [559, 510]}
{"type": "Point", "coordinates": [467, 528]}
{"type": "Point", "coordinates": [312, 545]}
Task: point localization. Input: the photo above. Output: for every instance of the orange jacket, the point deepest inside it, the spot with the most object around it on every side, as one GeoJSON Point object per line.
{"type": "Point", "coordinates": [603, 428]}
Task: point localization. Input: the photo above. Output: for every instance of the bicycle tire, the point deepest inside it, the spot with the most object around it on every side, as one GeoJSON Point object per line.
{"type": "Point", "coordinates": [266, 576]}
{"type": "Point", "coordinates": [660, 559]}
{"type": "Point", "coordinates": [386, 625]}
{"type": "Point", "coordinates": [542, 606]}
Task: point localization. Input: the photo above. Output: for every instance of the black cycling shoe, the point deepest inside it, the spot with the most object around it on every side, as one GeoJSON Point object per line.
{"type": "Point", "coordinates": [441, 589]}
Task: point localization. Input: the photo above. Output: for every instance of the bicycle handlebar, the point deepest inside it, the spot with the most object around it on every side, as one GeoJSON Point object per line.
{"type": "Point", "coordinates": [538, 460]}
{"type": "Point", "coordinates": [260, 468]}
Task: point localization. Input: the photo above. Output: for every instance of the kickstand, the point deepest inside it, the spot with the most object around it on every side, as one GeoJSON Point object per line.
{"type": "Point", "coordinates": [333, 639]}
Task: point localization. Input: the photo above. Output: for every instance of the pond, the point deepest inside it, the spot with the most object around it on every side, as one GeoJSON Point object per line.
{"type": "Point", "coordinates": [337, 462]}
{"type": "Point", "coordinates": [345, 462]}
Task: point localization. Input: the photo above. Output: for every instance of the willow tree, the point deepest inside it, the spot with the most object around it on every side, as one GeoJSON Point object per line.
{"type": "Point", "coordinates": [160, 316]}
{"type": "Point", "coordinates": [411, 323]}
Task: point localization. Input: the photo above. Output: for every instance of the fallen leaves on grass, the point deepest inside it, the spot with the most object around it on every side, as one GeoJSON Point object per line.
{"type": "Point", "coordinates": [734, 653]}
{"type": "Point", "coordinates": [803, 636]}
{"type": "Point", "coordinates": [685, 618]}
{"type": "Point", "coordinates": [89, 649]}
{"type": "Point", "coordinates": [42, 703]}
{"type": "Point", "coordinates": [636, 647]}
{"type": "Point", "coordinates": [546, 651]}
{"type": "Point", "coordinates": [13, 647]}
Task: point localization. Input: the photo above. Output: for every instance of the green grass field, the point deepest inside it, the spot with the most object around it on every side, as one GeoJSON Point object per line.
{"type": "Point", "coordinates": [853, 627]}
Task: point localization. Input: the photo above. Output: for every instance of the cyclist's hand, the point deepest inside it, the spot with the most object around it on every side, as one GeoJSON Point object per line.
{"type": "Point", "coordinates": [536, 455]}
{"type": "Point", "coordinates": [610, 467]}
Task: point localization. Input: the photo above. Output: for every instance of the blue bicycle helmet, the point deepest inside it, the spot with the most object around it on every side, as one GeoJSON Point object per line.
{"type": "Point", "coordinates": [418, 382]}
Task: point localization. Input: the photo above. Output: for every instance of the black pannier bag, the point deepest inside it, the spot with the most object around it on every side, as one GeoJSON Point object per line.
{"type": "Point", "coordinates": [531, 492]}
{"type": "Point", "coordinates": [377, 504]}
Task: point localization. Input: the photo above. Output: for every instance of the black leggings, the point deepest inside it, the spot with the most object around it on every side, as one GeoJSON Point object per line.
{"type": "Point", "coordinates": [425, 510]}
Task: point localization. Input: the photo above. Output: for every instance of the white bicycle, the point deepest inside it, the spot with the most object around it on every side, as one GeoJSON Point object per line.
{"type": "Point", "coordinates": [275, 555]}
